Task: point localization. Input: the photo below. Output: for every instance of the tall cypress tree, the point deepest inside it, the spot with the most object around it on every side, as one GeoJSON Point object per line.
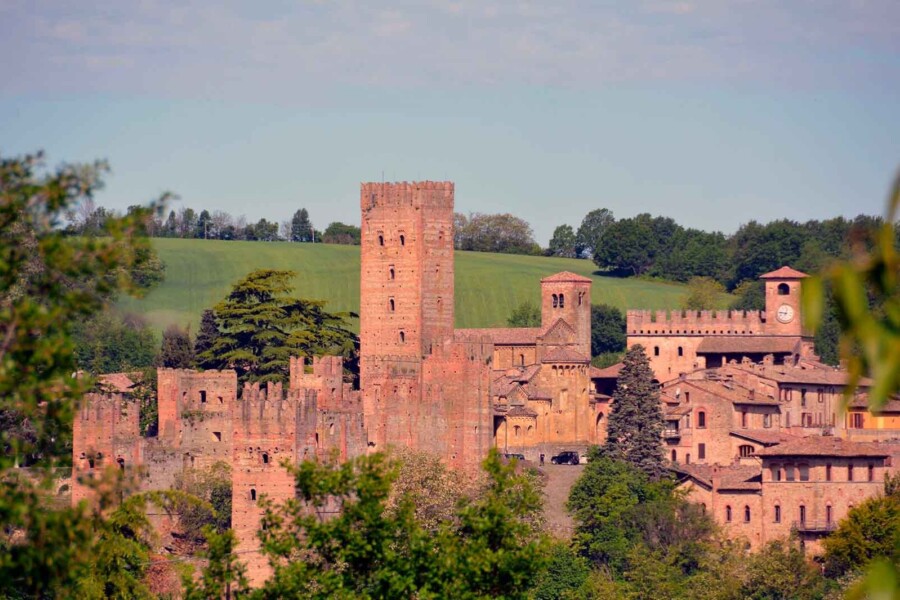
{"type": "Point", "coordinates": [636, 421]}
{"type": "Point", "coordinates": [176, 351]}
{"type": "Point", "coordinates": [301, 228]}
{"type": "Point", "coordinates": [206, 337]}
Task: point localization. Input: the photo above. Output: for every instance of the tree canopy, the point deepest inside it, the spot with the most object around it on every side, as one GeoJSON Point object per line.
{"type": "Point", "coordinates": [261, 326]}
{"type": "Point", "coordinates": [504, 233]}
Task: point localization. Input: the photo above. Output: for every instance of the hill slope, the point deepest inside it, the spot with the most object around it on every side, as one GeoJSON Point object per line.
{"type": "Point", "coordinates": [488, 286]}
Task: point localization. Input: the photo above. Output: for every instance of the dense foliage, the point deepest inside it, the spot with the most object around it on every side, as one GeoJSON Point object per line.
{"type": "Point", "coordinates": [504, 233]}
{"type": "Point", "coordinates": [261, 326]}
{"type": "Point", "coordinates": [527, 314]}
{"type": "Point", "coordinates": [341, 233]}
{"type": "Point", "coordinates": [110, 342]}
{"type": "Point", "coordinates": [177, 350]}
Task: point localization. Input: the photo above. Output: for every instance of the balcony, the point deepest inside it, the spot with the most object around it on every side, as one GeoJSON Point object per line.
{"type": "Point", "coordinates": [671, 434]}
{"type": "Point", "coordinates": [815, 526]}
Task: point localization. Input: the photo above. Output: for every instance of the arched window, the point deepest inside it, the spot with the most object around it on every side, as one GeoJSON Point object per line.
{"type": "Point", "coordinates": [555, 300]}
{"type": "Point", "coordinates": [380, 240]}
{"type": "Point", "coordinates": [530, 430]}
{"type": "Point", "coordinates": [701, 420]}
{"type": "Point", "coordinates": [91, 463]}
{"type": "Point", "coordinates": [744, 418]}
{"type": "Point", "coordinates": [828, 514]}
{"type": "Point", "coordinates": [402, 337]}
{"type": "Point", "coordinates": [746, 514]}
{"type": "Point", "coordinates": [391, 273]}
{"type": "Point", "coordinates": [562, 301]}
{"type": "Point", "coordinates": [402, 240]}
{"type": "Point", "coordinates": [680, 351]}
{"type": "Point", "coordinates": [784, 289]}
{"type": "Point", "coordinates": [802, 514]}
{"type": "Point", "coordinates": [516, 429]}
{"type": "Point", "coordinates": [265, 458]}
{"type": "Point", "coordinates": [777, 513]}
{"type": "Point", "coordinates": [746, 450]}
{"type": "Point", "coordinates": [674, 456]}
{"type": "Point", "coordinates": [728, 514]}
{"type": "Point", "coordinates": [655, 350]}
{"type": "Point", "coordinates": [253, 494]}
{"type": "Point", "coordinates": [121, 462]}
{"type": "Point", "coordinates": [391, 305]}
{"type": "Point", "coordinates": [522, 359]}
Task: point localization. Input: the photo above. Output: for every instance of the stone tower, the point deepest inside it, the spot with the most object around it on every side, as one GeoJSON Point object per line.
{"type": "Point", "coordinates": [406, 292]}
{"type": "Point", "coordinates": [567, 296]}
{"type": "Point", "coordinates": [783, 302]}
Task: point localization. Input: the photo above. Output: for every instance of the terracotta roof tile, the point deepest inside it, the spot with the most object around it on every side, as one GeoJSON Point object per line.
{"type": "Point", "coordinates": [117, 382]}
{"type": "Point", "coordinates": [813, 376]}
{"type": "Point", "coordinates": [826, 446]}
{"type": "Point", "coordinates": [766, 437]}
{"type": "Point", "coordinates": [566, 355]}
{"type": "Point", "coordinates": [891, 406]}
{"type": "Point", "coordinates": [747, 344]}
{"type": "Point", "coordinates": [521, 411]}
{"type": "Point", "coordinates": [784, 272]}
{"type": "Point", "coordinates": [611, 372]}
{"type": "Point", "coordinates": [566, 276]}
{"type": "Point", "coordinates": [505, 336]}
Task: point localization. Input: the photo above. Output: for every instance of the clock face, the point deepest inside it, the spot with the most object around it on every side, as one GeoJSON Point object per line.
{"type": "Point", "coordinates": [785, 313]}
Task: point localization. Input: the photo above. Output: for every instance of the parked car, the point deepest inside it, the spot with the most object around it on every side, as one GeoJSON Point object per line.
{"type": "Point", "coordinates": [511, 455]}
{"type": "Point", "coordinates": [565, 458]}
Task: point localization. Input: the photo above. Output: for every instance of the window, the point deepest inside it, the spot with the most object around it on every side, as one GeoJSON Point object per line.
{"type": "Point", "coordinates": [789, 473]}
{"type": "Point", "coordinates": [776, 473]}
{"type": "Point", "coordinates": [655, 350]}
{"type": "Point", "coordinates": [217, 435]}
{"type": "Point", "coordinates": [680, 351]}
{"type": "Point", "coordinates": [856, 421]}
{"type": "Point", "coordinates": [849, 472]}
{"type": "Point", "coordinates": [802, 514]}
{"type": "Point", "coordinates": [687, 396]}
{"type": "Point", "coordinates": [767, 420]}
{"type": "Point", "coordinates": [744, 419]}
{"type": "Point", "coordinates": [746, 514]}
{"type": "Point", "coordinates": [265, 458]}
{"type": "Point", "coordinates": [777, 513]}
{"type": "Point", "coordinates": [828, 514]}
{"type": "Point", "coordinates": [728, 514]}
{"type": "Point", "coordinates": [803, 397]}
{"type": "Point", "coordinates": [402, 240]}
{"type": "Point", "coordinates": [402, 337]}
{"type": "Point", "coordinates": [555, 301]}
{"type": "Point", "coordinates": [90, 463]}
{"type": "Point", "coordinates": [203, 396]}
{"type": "Point", "coordinates": [562, 301]}
{"type": "Point", "coordinates": [253, 494]}
{"type": "Point", "coordinates": [701, 451]}
{"type": "Point", "coordinates": [516, 431]}
{"type": "Point", "coordinates": [783, 289]}
{"type": "Point", "coordinates": [522, 359]}
{"type": "Point", "coordinates": [827, 472]}
{"type": "Point", "coordinates": [745, 450]}
{"type": "Point", "coordinates": [391, 305]}
{"type": "Point", "coordinates": [391, 273]}
{"type": "Point", "coordinates": [701, 420]}
{"type": "Point", "coordinates": [674, 456]}
{"type": "Point", "coordinates": [804, 472]}
{"type": "Point", "coordinates": [121, 462]}
{"type": "Point", "coordinates": [687, 459]}
{"type": "Point", "coordinates": [871, 472]}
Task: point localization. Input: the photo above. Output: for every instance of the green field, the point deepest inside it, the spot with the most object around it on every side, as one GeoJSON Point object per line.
{"type": "Point", "coordinates": [488, 286]}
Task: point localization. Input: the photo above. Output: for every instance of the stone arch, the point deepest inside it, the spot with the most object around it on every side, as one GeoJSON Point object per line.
{"type": "Point", "coordinates": [784, 289]}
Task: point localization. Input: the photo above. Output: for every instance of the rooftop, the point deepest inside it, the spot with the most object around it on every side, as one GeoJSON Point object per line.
{"type": "Point", "coordinates": [826, 446]}
{"type": "Point", "coordinates": [784, 272]}
{"type": "Point", "coordinates": [745, 344]}
{"type": "Point", "coordinates": [566, 276]}
{"type": "Point", "coordinates": [506, 336]}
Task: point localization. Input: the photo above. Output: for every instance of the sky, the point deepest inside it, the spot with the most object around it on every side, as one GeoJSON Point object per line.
{"type": "Point", "coordinates": [713, 112]}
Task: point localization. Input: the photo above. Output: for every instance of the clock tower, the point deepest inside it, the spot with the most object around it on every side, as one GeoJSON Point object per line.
{"type": "Point", "coordinates": [783, 302]}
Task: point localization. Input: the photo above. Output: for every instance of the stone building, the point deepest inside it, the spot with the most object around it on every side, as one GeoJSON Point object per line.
{"type": "Point", "coordinates": [683, 341]}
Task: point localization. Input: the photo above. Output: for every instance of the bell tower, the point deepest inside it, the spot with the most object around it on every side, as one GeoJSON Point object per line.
{"type": "Point", "coordinates": [783, 302]}
{"type": "Point", "coordinates": [567, 296]}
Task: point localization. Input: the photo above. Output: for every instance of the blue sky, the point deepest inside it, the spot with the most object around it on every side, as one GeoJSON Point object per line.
{"type": "Point", "coordinates": [712, 112]}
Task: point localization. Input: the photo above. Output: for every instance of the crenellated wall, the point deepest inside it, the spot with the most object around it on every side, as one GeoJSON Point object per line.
{"type": "Point", "coordinates": [695, 322]}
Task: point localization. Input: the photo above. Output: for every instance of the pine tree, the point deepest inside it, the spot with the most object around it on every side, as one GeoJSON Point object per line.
{"type": "Point", "coordinates": [301, 228]}
{"type": "Point", "coordinates": [636, 421]}
{"type": "Point", "coordinates": [261, 326]}
{"type": "Point", "coordinates": [176, 351]}
{"type": "Point", "coordinates": [206, 337]}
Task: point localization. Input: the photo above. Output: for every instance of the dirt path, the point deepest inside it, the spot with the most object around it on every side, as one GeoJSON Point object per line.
{"type": "Point", "coordinates": [560, 479]}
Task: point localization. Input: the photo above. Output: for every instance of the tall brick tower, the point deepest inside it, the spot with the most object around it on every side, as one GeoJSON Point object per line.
{"type": "Point", "coordinates": [567, 296]}
{"type": "Point", "coordinates": [406, 292]}
{"type": "Point", "coordinates": [783, 302]}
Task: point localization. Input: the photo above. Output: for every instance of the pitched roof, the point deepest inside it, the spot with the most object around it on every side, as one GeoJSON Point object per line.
{"type": "Point", "coordinates": [732, 477]}
{"type": "Point", "coordinates": [505, 336]}
{"type": "Point", "coordinates": [116, 382]}
{"type": "Point", "coordinates": [826, 446]}
{"type": "Point", "coordinates": [566, 355]}
{"type": "Point", "coordinates": [813, 376]}
{"type": "Point", "coordinates": [766, 437]}
{"type": "Point", "coordinates": [566, 276]}
{"type": "Point", "coordinates": [891, 406]}
{"type": "Point", "coordinates": [746, 344]}
{"type": "Point", "coordinates": [521, 411]}
{"type": "Point", "coordinates": [784, 272]}
{"type": "Point", "coordinates": [610, 372]}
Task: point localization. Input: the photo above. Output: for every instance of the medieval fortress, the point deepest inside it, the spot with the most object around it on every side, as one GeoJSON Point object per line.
{"type": "Point", "coordinates": [755, 426]}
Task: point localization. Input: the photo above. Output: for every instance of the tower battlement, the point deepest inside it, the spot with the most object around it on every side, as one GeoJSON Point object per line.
{"type": "Point", "coordinates": [695, 322]}
{"type": "Point", "coordinates": [438, 194]}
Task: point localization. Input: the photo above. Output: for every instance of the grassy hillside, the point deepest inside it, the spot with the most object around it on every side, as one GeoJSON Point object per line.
{"type": "Point", "coordinates": [488, 286]}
